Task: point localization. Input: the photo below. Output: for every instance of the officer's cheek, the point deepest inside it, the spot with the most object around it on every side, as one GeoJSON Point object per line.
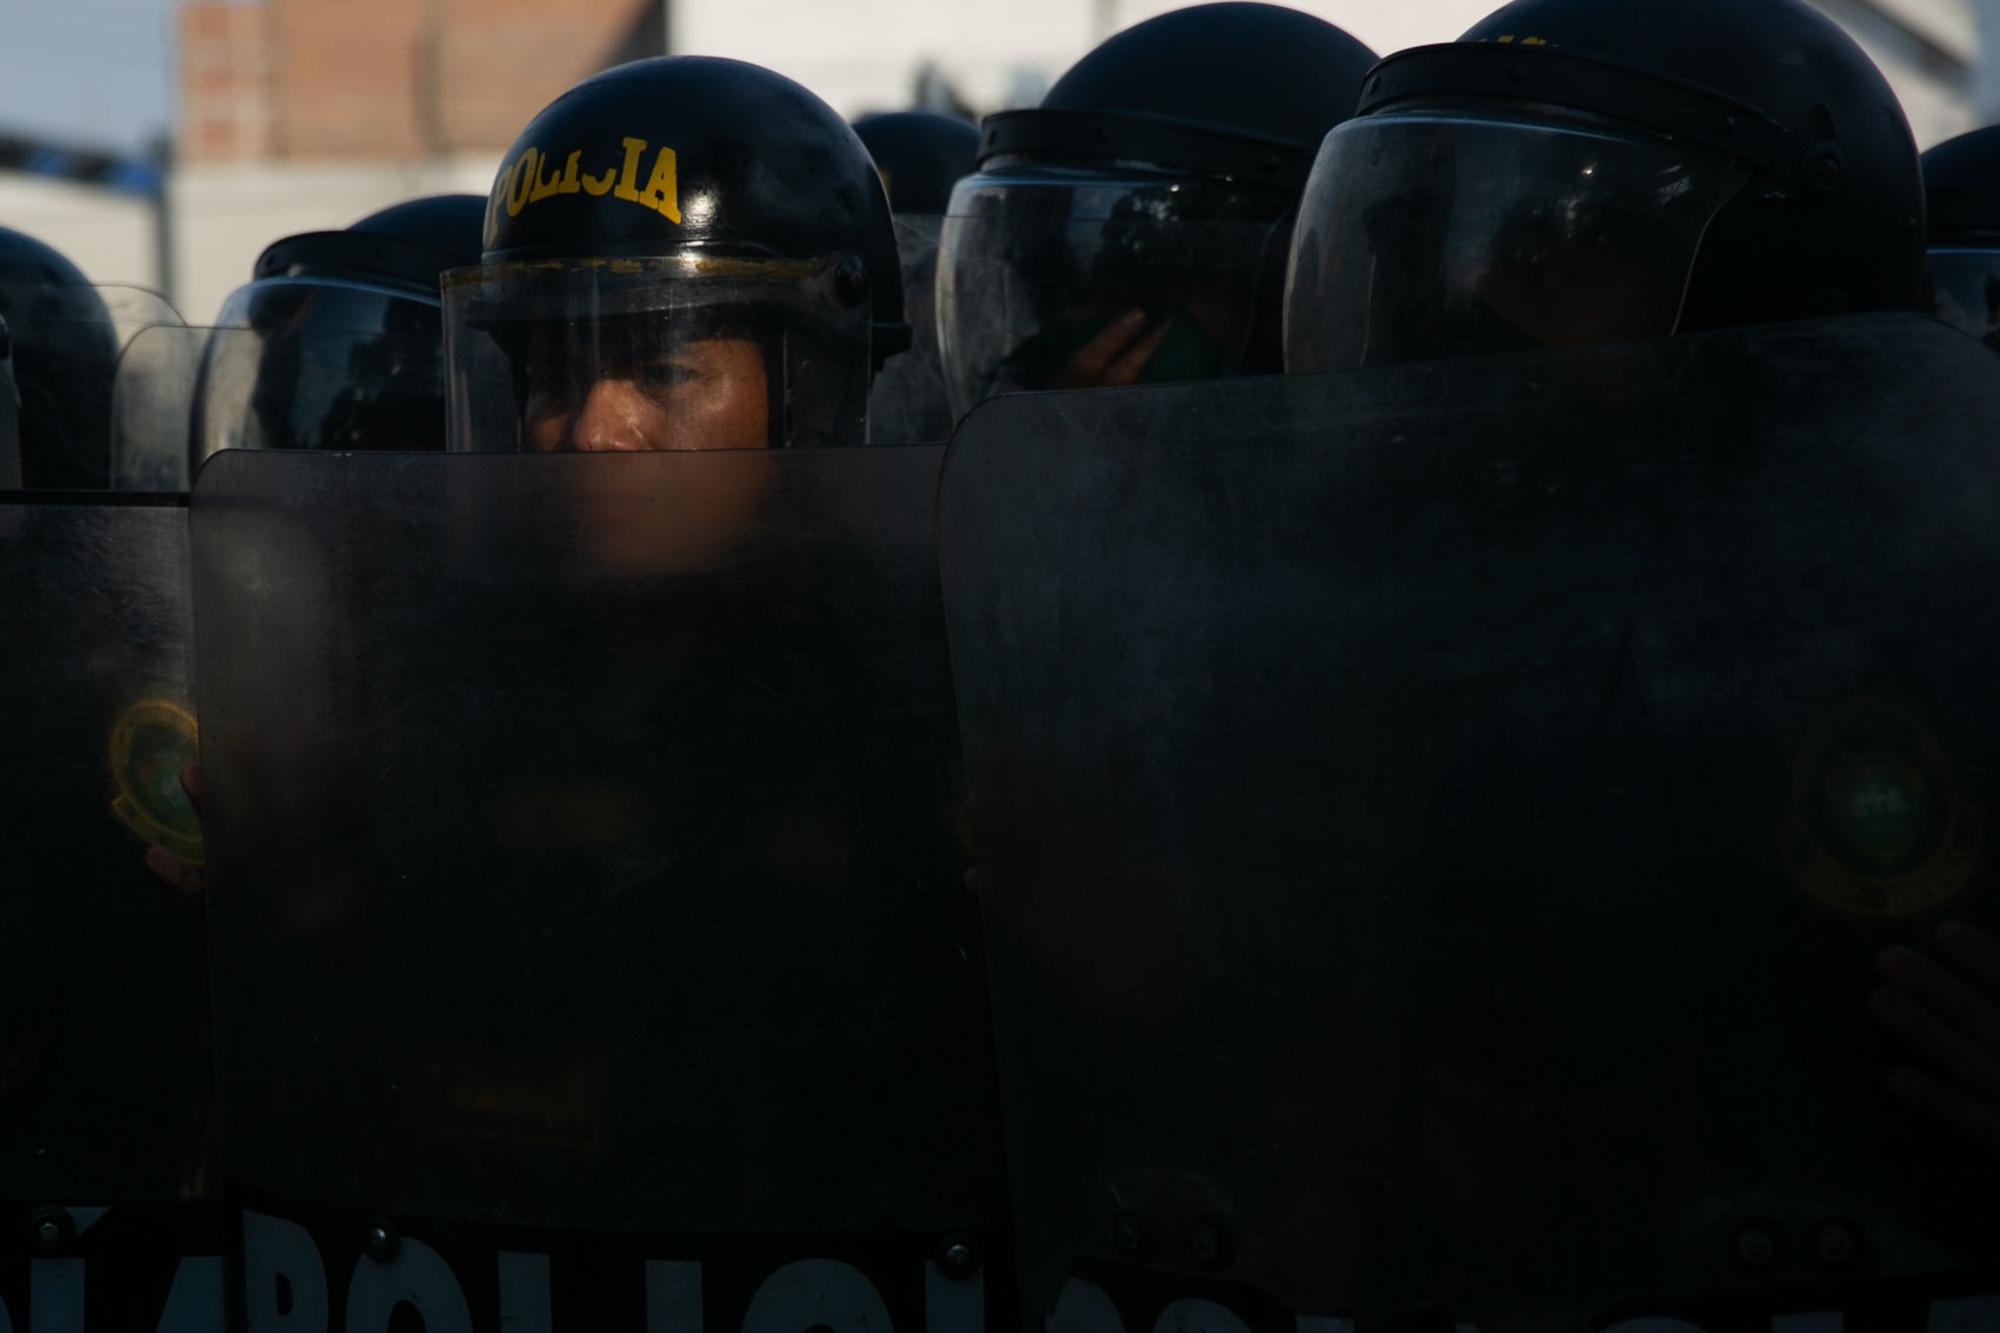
{"type": "Point", "coordinates": [724, 402]}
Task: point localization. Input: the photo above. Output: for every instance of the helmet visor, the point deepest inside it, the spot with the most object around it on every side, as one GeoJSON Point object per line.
{"type": "Point", "coordinates": [908, 403]}
{"type": "Point", "coordinates": [317, 363]}
{"type": "Point", "coordinates": [1431, 234]}
{"type": "Point", "coordinates": [1051, 279]}
{"type": "Point", "coordinates": [688, 351]}
{"type": "Point", "coordinates": [1966, 291]}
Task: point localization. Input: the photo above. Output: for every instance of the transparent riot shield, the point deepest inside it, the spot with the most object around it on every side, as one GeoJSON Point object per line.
{"type": "Point", "coordinates": [152, 406]}
{"type": "Point", "coordinates": [107, 1212]}
{"type": "Point", "coordinates": [10, 422]}
{"type": "Point", "coordinates": [183, 394]}
{"type": "Point", "coordinates": [1438, 832]}
{"type": "Point", "coordinates": [584, 852]}
{"type": "Point", "coordinates": [372, 389]}
{"type": "Point", "coordinates": [68, 344]}
{"type": "Point", "coordinates": [908, 403]}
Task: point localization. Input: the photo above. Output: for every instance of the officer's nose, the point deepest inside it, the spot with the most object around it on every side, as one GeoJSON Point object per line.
{"type": "Point", "coordinates": [612, 419]}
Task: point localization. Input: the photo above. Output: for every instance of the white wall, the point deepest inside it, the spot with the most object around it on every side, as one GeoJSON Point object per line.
{"type": "Point", "coordinates": [223, 219]}
{"type": "Point", "coordinates": [225, 216]}
{"type": "Point", "coordinates": [109, 237]}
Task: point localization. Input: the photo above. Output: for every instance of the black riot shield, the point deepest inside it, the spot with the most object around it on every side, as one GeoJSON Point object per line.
{"type": "Point", "coordinates": [1436, 831]}
{"type": "Point", "coordinates": [107, 1219]}
{"type": "Point", "coordinates": [591, 946]}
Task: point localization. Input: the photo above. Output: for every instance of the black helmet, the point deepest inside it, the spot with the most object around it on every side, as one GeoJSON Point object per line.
{"type": "Point", "coordinates": [920, 156]}
{"type": "Point", "coordinates": [1134, 226]}
{"type": "Point", "coordinates": [668, 238]}
{"type": "Point", "coordinates": [400, 249]}
{"type": "Point", "coordinates": [1962, 190]}
{"type": "Point", "coordinates": [66, 343]}
{"type": "Point", "coordinates": [337, 341]}
{"type": "Point", "coordinates": [1575, 171]}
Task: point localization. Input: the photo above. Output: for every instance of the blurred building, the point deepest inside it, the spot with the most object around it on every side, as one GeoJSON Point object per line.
{"type": "Point", "coordinates": [303, 114]}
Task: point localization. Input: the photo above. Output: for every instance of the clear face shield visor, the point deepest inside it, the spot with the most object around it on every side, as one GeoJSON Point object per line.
{"type": "Point", "coordinates": [1965, 290]}
{"type": "Point", "coordinates": [1453, 232]}
{"type": "Point", "coordinates": [318, 363]}
{"type": "Point", "coordinates": [1059, 279]}
{"type": "Point", "coordinates": [688, 351]}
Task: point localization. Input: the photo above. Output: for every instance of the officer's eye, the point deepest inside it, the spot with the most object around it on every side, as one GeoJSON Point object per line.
{"type": "Point", "coordinates": [670, 373]}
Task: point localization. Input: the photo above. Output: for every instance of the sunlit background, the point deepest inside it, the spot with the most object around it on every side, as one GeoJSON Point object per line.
{"type": "Point", "coordinates": [165, 142]}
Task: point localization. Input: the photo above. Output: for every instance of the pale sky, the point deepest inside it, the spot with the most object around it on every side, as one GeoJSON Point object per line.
{"type": "Point", "coordinates": [87, 73]}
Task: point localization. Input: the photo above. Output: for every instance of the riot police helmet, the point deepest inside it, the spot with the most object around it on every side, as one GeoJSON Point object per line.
{"type": "Point", "coordinates": [682, 252]}
{"type": "Point", "coordinates": [65, 352]}
{"type": "Point", "coordinates": [1587, 171]}
{"type": "Point", "coordinates": [920, 155]}
{"type": "Point", "coordinates": [1133, 227]}
{"type": "Point", "coordinates": [337, 342]}
{"type": "Point", "coordinates": [1962, 194]}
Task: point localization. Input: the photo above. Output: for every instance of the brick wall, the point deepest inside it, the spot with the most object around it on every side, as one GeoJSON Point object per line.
{"type": "Point", "coordinates": [225, 90]}
{"type": "Point", "coordinates": [385, 80]}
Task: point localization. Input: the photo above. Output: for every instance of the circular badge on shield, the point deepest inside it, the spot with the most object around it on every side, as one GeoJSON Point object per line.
{"type": "Point", "coordinates": [1879, 824]}
{"type": "Point", "coordinates": [150, 745]}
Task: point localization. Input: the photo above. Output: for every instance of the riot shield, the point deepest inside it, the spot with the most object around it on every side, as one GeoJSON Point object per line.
{"type": "Point", "coordinates": [908, 403]}
{"type": "Point", "coordinates": [10, 422]}
{"type": "Point", "coordinates": [68, 344]}
{"type": "Point", "coordinates": [321, 388]}
{"type": "Point", "coordinates": [152, 404]}
{"type": "Point", "coordinates": [107, 1213]}
{"type": "Point", "coordinates": [590, 936]}
{"type": "Point", "coordinates": [1436, 829]}
{"type": "Point", "coordinates": [184, 394]}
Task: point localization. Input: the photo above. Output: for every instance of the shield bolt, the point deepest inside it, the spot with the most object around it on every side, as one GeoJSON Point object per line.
{"type": "Point", "coordinates": [958, 1259]}
{"type": "Point", "coordinates": [53, 1227]}
{"type": "Point", "coordinates": [380, 1241]}
{"type": "Point", "coordinates": [1756, 1248]}
{"type": "Point", "coordinates": [1209, 1240]}
{"type": "Point", "coordinates": [1836, 1243]}
{"type": "Point", "coordinates": [1126, 1233]}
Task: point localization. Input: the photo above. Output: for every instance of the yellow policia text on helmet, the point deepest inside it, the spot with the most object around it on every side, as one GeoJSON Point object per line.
{"type": "Point", "coordinates": [534, 177]}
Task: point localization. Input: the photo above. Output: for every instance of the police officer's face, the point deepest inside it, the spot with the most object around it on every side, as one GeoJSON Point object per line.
{"type": "Point", "coordinates": [709, 394]}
